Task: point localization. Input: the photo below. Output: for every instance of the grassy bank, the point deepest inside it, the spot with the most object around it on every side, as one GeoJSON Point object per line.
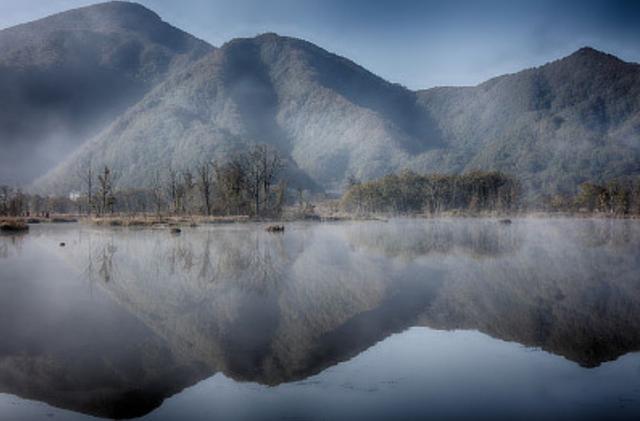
{"type": "Point", "coordinates": [13, 225]}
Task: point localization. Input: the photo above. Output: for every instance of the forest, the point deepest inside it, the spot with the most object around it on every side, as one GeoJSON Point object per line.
{"type": "Point", "coordinates": [410, 192]}
{"type": "Point", "coordinates": [254, 184]}
{"type": "Point", "coordinates": [249, 183]}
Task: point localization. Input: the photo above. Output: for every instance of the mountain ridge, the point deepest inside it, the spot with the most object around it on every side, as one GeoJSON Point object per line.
{"type": "Point", "coordinates": [554, 126]}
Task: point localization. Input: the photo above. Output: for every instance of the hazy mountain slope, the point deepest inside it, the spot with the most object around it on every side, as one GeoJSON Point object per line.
{"type": "Point", "coordinates": [555, 126]}
{"type": "Point", "coordinates": [63, 77]}
{"type": "Point", "coordinates": [329, 115]}
{"type": "Point", "coordinates": [573, 120]}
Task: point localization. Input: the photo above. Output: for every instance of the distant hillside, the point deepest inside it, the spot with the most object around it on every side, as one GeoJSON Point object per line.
{"type": "Point", "coordinates": [555, 126]}
{"type": "Point", "coordinates": [330, 116]}
{"type": "Point", "coordinates": [570, 121]}
{"type": "Point", "coordinates": [64, 77]}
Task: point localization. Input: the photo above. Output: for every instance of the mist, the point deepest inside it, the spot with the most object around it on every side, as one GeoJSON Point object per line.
{"type": "Point", "coordinates": [65, 78]}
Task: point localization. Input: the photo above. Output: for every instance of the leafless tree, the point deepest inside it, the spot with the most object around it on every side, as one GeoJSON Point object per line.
{"type": "Point", "coordinates": [205, 184]}
{"type": "Point", "coordinates": [173, 190]}
{"type": "Point", "coordinates": [86, 175]}
{"type": "Point", "coordinates": [156, 192]}
{"type": "Point", "coordinates": [263, 165]}
{"type": "Point", "coordinates": [106, 197]}
{"type": "Point", "coordinates": [187, 190]}
{"type": "Point", "coordinates": [231, 184]}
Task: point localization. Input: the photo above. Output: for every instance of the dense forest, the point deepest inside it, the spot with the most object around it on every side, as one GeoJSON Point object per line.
{"type": "Point", "coordinates": [410, 192]}
{"type": "Point", "coordinates": [616, 197]}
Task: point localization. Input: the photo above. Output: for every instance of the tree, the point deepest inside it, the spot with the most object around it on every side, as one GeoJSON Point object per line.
{"type": "Point", "coordinates": [5, 198]}
{"type": "Point", "coordinates": [186, 190]}
{"type": "Point", "coordinates": [205, 184]}
{"type": "Point", "coordinates": [434, 193]}
{"type": "Point", "coordinates": [156, 192]}
{"type": "Point", "coordinates": [231, 185]}
{"type": "Point", "coordinates": [106, 197]}
{"type": "Point", "coordinates": [264, 163]}
{"type": "Point", "coordinates": [86, 174]}
{"type": "Point", "coordinates": [174, 191]}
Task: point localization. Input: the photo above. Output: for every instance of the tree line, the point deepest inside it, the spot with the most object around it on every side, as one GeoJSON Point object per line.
{"type": "Point", "coordinates": [410, 192]}
{"type": "Point", "coordinates": [251, 183]}
{"type": "Point", "coordinates": [615, 197]}
{"type": "Point", "coordinates": [248, 183]}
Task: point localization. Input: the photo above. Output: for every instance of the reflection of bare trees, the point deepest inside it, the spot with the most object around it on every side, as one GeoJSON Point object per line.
{"type": "Point", "coordinates": [4, 250]}
{"type": "Point", "coordinates": [10, 242]}
{"type": "Point", "coordinates": [617, 233]}
{"type": "Point", "coordinates": [250, 260]}
{"type": "Point", "coordinates": [99, 258]}
{"type": "Point", "coordinates": [206, 268]}
{"type": "Point", "coordinates": [411, 239]}
{"type": "Point", "coordinates": [106, 262]}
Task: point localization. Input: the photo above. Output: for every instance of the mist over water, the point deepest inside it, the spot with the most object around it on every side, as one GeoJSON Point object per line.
{"type": "Point", "coordinates": [362, 319]}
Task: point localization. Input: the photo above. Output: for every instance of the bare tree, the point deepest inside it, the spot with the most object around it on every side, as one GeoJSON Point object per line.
{"type": "Point", "coordinates": [231, 182]}
{"type": "Point", "coordinates": [187, 190]}
{"type": "Point", "coordinates": [5, 198]}
{"type": "Point", "coordinates": [156, 192]}
{"type": "Point", "coordinates": [263, 165]}
{"type": "Point", "coordinates": [86, 175]}
{"type": "Point", "coordinates": [106, 197]}
{"type": "Point", "coordinates": [173, 190]}
{"type": "Point", "coordinates": [205, 183]}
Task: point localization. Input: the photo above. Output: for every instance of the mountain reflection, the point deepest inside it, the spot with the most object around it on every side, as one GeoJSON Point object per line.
{"type": "Point", "coordinates": [152, 313]}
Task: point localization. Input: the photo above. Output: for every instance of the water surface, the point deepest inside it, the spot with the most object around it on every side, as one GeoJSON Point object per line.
{"type": "Point", "coordinates": [408, 319]}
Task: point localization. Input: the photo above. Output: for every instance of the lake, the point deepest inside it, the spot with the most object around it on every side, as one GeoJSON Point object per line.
{"type": "Point", "coordinates": [405, 319]}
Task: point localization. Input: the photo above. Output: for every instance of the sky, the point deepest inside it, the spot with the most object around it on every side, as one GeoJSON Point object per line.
{"type": "Point", "coordinates": [419, 44]}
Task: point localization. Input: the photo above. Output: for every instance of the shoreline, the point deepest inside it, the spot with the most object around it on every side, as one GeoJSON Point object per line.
{"type": "Point", "coordinates": [196, 220]}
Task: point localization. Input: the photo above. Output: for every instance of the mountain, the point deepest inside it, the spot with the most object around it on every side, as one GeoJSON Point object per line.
{"type": "Point", "coordinates": [64, 77]}
{"type": "Point", "coordinates": [569, 121]}
{"type": "Point", "coordinates": [556, 126]}
{"type": "Point", "coordinates": [573, 120]}
{"type": "Point", "coordinates": [327, 114]}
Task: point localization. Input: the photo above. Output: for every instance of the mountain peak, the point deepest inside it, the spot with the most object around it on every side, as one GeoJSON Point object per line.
{"type": "Point", "coordinates": [101, 17]}
{"type": "Point", "coordinates": [591, 54]}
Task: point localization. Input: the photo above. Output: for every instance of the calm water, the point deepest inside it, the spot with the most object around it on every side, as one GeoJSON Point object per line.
{"type": "Point", "coordinates": [370, 320]}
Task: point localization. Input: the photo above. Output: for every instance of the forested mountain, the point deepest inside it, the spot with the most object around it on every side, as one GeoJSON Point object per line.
{"type": "Point", "coordinates": [328, 115]}
{"type": "Point", "coordinates": [573, 120]}
{"type": "Point", "coordinates": [62, 78]}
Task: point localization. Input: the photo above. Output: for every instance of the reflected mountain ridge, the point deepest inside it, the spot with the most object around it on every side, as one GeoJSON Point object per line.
{"type": "Point", "coordinates": [167, 311]}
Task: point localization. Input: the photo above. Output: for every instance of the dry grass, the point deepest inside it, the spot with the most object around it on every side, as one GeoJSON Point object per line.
{"type": "Point", "coordinates": [155, 220]}
{"type": "Point", "coordinates": [13, 225]}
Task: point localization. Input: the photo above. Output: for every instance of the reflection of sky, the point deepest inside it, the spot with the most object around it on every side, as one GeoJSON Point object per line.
{"type": "Point", "coordinates": [423, 372]}
{"type": "Point", "coordinates": [417, 43]}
